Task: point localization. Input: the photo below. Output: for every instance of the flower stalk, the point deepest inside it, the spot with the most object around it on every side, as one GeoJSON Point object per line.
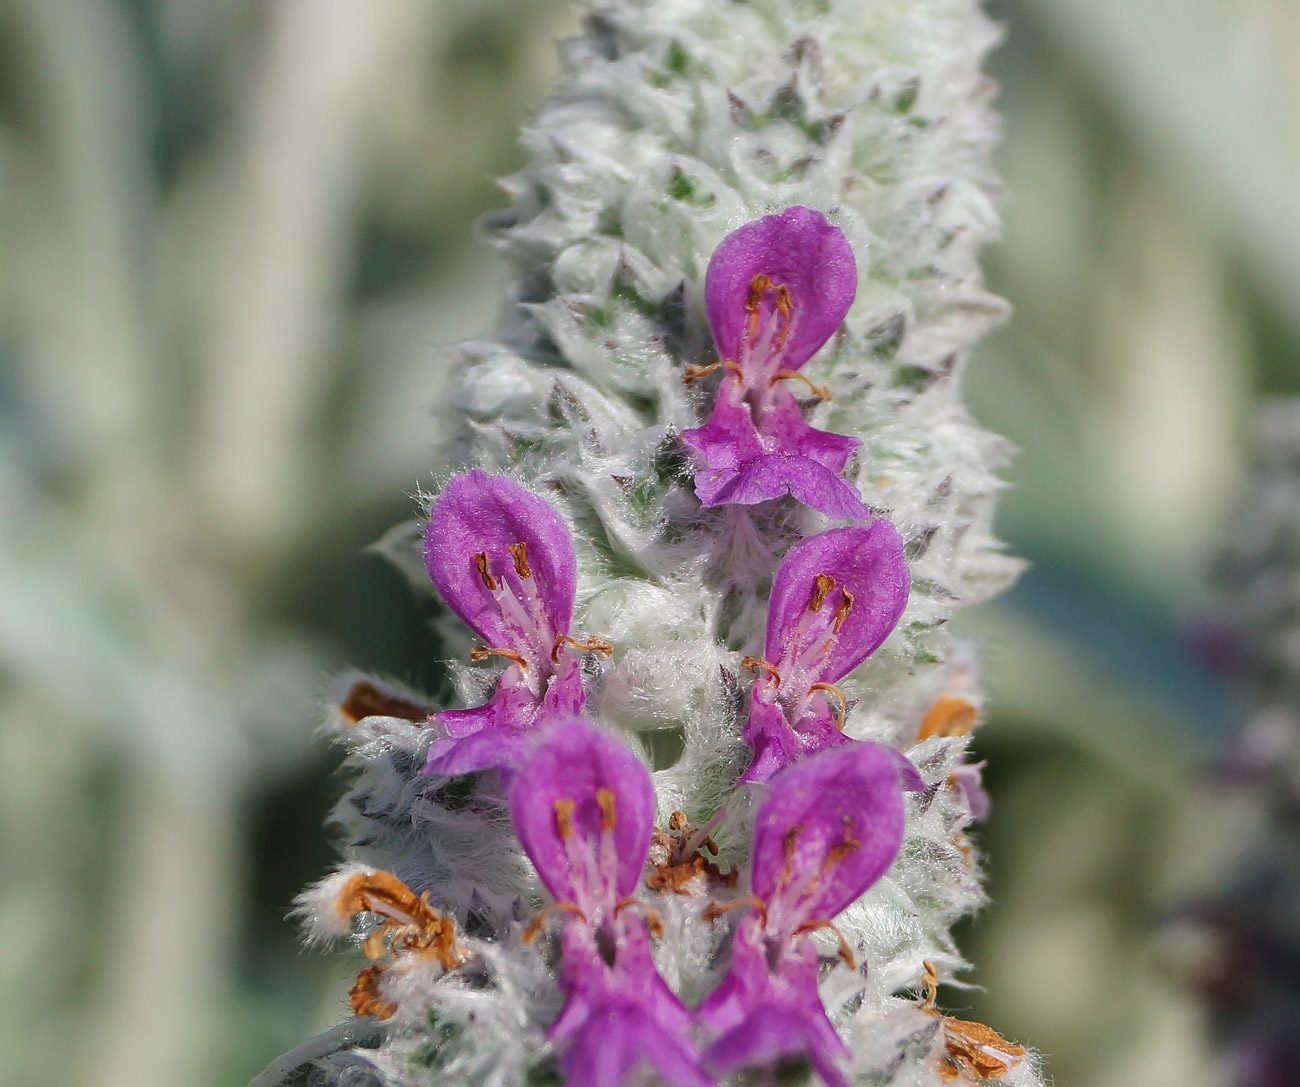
{"type": "Point", "coordinates": [721, 427]}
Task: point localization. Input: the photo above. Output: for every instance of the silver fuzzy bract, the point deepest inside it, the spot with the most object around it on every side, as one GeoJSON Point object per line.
{"type": "Point", "coordinates": [678, 121]}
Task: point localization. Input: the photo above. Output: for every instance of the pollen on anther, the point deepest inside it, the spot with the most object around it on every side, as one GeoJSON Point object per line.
{"type": "Point", "coordinates": [519, 552]}
{"type": "Point", "coordinates": [822, 585]}
{"type": "Point", "coordinates": [608, 809]}
{"type": "Point", "coordinates": [760, 284]}
{"type": "Point", "coordinates": [788, 845]}
{"type": "Point", "coordinates": [481, 563]}
{"type": "Point", "coordinates": [564, 817]}
{"type": "Point", "coordinates": [844, 610]}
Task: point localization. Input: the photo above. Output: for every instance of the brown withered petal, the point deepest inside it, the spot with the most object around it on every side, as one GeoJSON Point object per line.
{"type": "Point", "coordinates": [682, 860]}
{"type": "Point", "coordinates": [383, 893]}
{"type": "Point", "coordinates": [979, 1049]}
{"type": "Point", "coordinates": [973, 1051]}
{"type": "Point", "coordinates": [364, 995]}
{"type": "Point", "coordinates": [367, 700]}
{"type": "Point", "coordinates": [411, 924]}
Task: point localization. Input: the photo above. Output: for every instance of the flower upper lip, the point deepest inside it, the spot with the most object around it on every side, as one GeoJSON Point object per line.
{"type": "Point", "coordinates": [504, 562]}
{"type": "Point", "coordinates": [785, 282]}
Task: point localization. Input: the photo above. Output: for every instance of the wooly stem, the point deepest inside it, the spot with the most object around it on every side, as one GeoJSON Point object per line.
{"type": "Point", "coordinates": [673, 418]}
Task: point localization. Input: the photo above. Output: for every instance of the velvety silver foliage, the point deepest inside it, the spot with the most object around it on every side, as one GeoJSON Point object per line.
{"type": "Point", "coordinates": [680, 120]}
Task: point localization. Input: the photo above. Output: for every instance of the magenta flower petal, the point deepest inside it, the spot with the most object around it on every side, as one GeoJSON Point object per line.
{"type": "Point", "coordinates": [830, 826]}
{"type": "Point", "coordinates": [797, 249]}
{"type": "Point", "coordinates": [776, 475]}
{"type": "Point", "coordinates": [865, 560]}
{"type": "Point", "coordinates": [776, 743]}
{"type": "Point", "coordinates": [785, 430]}
{"type": "Point", "coordinates": [617, 1014]}
{"type": "Point", "coordinates": [725, 444]}
{"type": "Point", "coordinates": [497, 735]}
{"type": "Point", "coordinates": [762, 1012]}
{"type": "Point", "coordinates": [503, 560]}
{"type": "Point", "coordinates": [583, 808]}
{"type": "Point", "coordinates": [487, 748]}
{"type": "Point", "coordinates": [969, 779]}
{"type": "Point", "coordinates": [772, 1031]}
{"type": "Point", "coordinates": [617, 1036]}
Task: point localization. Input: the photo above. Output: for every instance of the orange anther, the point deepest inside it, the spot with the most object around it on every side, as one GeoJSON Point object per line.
{"type": "Point", "coordinates": [830, 688]}
{"type": "Point", "coordinates": [564, 817]}
{"type": "Point", "coordinates": [755, 663]}
{"type": "Point", "coordinates": [482, 652]}
{"type": "Point", "coordinates": [844, 610]}
{"type": "Point", "coordinates": [481, 563]}
{"type": "Point", "coordinates": [608, 810]}
{"type": "Point", "coordinates": [838, 852]}
{"type": "Point", "coordinates": [929, 987]}
{"type": "Point", "coordinates": [788, 845]}
{"type": "Point", "coordinates": [835, 854]}
{"type": "Point", "coordinates": [758, 286]}
{"type": "Point", "coordinates": [519, 552]}
{"type": "Point", "coordinates": [822, 584]}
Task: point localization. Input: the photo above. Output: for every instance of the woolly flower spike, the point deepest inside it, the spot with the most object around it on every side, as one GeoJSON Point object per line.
{"type": "Point", "coordinates": [835, 598]}
{"type": "Point", "coordinates": [503, 561]}
{"type": "Point", "coordinates": [775, 291]}
{"type": "Point", "coordinates": [829, 828]}
{"type": "Point", "coordinates": [583, 808]}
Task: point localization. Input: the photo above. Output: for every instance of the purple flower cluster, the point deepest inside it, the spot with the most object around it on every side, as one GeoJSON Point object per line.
{"type": "Point", "coordinates": [831, 817]}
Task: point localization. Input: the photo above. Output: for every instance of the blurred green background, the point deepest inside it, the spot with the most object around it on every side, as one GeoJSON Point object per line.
{"type": "Point", "coordinates": [232, 234]}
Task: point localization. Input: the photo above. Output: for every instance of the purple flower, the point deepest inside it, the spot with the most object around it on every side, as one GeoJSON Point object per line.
{"type": "Point", "coordinates": [775, 291]}
{"type": "Point", "coordinates": [835, 598]}
{"type": "Point", "coordinates": [583, 808]}
{"type": "Point", "coordinates": [829, 827]}
{"type": "Point", "coordinates": [968, 777]}
{"type": "Point", "coordinates": [503, 560]}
